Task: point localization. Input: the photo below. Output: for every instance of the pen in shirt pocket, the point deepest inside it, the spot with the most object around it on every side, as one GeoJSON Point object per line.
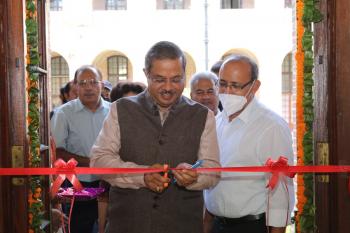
{"type": "Point", "coordinates": [195, 165]}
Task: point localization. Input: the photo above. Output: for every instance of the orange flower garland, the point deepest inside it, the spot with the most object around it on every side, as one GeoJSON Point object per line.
{"type": "Point", "coordinates": [299, 56]}
{"type": "Point", "coordinates": [33, 117]}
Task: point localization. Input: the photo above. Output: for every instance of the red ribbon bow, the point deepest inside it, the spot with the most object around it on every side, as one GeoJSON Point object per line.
{"type": "Point", "coordinates": [276, 167]}
{"type": "Point", "coordinates": [65, 170]}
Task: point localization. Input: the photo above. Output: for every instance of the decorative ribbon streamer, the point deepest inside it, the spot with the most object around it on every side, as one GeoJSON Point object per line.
{"type": "Point", "coordinates": [65, 170]}
{"type": "Point", "coordinates": [84, 170]}
{"type": "Point", "coordinates": [71, 170]}
{"type": "Point", "coordinates": [280, 164]}
{"type": "Point", "coordinates": [275, 166]}
{"type": "Point", "coordinates": [105, 171]}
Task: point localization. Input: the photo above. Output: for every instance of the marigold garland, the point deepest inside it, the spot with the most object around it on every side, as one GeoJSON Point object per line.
{"type": "Point", "coordinates": [33, 115]}
{"type": "Point", "coordinates": [306, 15]}
{"type": "Point", "coordinates": [299, 56]}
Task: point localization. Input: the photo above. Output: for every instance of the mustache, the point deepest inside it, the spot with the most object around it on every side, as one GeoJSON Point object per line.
{"type": "Point", "coordinates": [167, 92]}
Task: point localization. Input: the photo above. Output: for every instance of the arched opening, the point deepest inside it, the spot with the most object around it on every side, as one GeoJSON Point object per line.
{"type": "Point", "coordinates": [190, 68]}
{"type": "Point", "coordinates": [59, 77]}
{"type": "Point", "coordinates": [114, 66]}
{"type": "Point", "coordinates": [287, 90]}
{"type": "Point", "coordinates": [241, 51]}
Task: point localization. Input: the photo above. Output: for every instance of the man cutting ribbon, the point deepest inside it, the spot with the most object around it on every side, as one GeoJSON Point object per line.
{"type": "Point", "coordinates": [158, 126]}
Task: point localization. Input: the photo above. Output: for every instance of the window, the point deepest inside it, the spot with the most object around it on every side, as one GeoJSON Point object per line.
{"type": "Point", "coordinates": [287, 89]}
{"type": "Point", "coordinates": [59, 77]}
{"type": "Point", "coordinates": [173, 4]}
{"type": "Point", "coordinates": [288, 3]}
{"type": "Point", "coordinates": [55, 5]}
{"type": "Point", "coordinates": [237, 4]}
{"type": "Point", "coordinates": [117, 67]}
{"type": "Point", "coordinates": [115, 4]}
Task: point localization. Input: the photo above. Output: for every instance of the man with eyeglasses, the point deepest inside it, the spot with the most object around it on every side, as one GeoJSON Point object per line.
{"type": "Point", "coordinates": [158, 127]}
{"type": "Point", "coordinates": [74, 127]}
{"type": "Point", "coordinates": [248, 134]}
{"type": "Point", "coordinates": [204, 90]}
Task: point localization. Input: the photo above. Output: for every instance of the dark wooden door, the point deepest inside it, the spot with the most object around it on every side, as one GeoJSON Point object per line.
{"type": "Point", "coordinates": [13, 213]}
{"type": "Point", "coordinates": [332, 114]}
{"type": "Point", "coordinates": [13, 138]}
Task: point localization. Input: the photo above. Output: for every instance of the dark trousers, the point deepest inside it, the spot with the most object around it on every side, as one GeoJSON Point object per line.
{"type": "Point", "coordinates": [255, 226]}
{"type": "Point", "coordinates": [84, 213]}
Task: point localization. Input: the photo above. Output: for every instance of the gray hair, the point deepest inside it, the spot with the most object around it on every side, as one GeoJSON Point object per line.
{"type": "Point", "coordinates": [164, 50]}
{"type": "Point", "coordinates": [208, 75]}
{"type": "Point", "coordinates": [237, 58]}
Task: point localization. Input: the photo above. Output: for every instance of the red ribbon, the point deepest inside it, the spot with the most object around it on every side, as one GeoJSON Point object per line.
{"type": "Point", "coordinates": [278, 167]}
{"type": "Point", "coordinates": [288, 170]}
{"type": "Point", "coordinates": [65, 171]}
{"type": "Point", "coordinates": [103, 171]}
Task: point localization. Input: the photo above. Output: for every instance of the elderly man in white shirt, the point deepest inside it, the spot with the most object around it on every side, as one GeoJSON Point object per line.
{"type": "Point", "coordinates": [248, 134]}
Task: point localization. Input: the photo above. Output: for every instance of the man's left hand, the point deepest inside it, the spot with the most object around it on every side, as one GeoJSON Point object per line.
{"type": "Point", "coordinates": [185, 176]}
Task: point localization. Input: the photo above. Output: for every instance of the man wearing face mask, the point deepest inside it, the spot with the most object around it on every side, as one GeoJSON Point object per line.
{"type": "Point", "coordinates": [248, 134]}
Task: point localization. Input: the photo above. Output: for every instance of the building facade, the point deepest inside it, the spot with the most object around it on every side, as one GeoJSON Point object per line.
{"type": "Point", "coordinates": [115, 35]}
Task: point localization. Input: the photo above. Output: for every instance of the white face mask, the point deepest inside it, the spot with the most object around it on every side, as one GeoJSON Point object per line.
{"type": "Point", "coordinates": [233, 103]}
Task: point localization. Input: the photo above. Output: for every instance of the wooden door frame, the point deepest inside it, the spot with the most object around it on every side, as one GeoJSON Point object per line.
{"type": "Point", "coordinates": [332, 113]}
{"type": "Point", "coordinates": [4, 118]}
{"type": "Point", "coordinates": [14, 202]}
{"type": "Point", "coordinates": [322, 113]}
{"type": "Point", "coordinates": [13, 120]}
{"type": "Point", "coordinates": [44, 103]}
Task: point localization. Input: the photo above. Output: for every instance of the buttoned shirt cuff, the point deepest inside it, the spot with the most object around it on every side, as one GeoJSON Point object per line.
{"type": "Point", "coordinates": [278, 218]}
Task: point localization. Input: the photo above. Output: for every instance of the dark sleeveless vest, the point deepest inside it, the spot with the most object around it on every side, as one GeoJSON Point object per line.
{"type": "Point", "coordinates": [145, 141]}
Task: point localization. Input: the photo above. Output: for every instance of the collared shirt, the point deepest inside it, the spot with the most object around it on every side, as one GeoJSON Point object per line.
{"type": "Point", "coordinates": [75, 128]}
{"type": "Point", "coordinates": [249, 140]}
{"type": "Point", "coordinates": [105, 153]}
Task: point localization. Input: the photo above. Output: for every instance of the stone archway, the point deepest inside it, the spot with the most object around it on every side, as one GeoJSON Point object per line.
{"type": "Point", "coordinates": [101, 61]}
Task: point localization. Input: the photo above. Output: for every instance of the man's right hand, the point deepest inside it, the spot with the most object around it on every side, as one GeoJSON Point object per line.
{"type": "Point", "coordinates": [155, 181]}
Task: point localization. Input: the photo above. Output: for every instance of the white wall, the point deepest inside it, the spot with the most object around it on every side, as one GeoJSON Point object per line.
{"type": "Point", "coordinates": [79, 34]}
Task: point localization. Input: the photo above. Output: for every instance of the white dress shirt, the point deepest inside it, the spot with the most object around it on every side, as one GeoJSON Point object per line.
{"type": "Point", "coordinates": [249, 140]}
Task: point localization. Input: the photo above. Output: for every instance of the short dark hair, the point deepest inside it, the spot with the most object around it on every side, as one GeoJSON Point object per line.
{"type": "Point", "coordinates": [62, 91]}
{"type": "Point", "coordinates": [65, 89]}
{"type": "Point", "coordinates": [84, 68]}
{"type": "Point", "coordinates": [122, 88]}
{"type": "Point", "coordinates": [164, 50]}
{"type": "Point", "coordinates": [253, 66]}
{"type": "Point", "coordinates": [216, 67]}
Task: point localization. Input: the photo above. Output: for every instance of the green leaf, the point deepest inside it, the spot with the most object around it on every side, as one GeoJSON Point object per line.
{"type": "Point", "coordinates": [317, 16]}
{"type": "Point", "coordinates": [30, 6]}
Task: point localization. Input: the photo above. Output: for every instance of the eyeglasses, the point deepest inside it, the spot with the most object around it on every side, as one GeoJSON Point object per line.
{"type": "Point", "coordinates": [162, 81]}
{"type": "Point", "coordinates": [233, 85]}
{"type": "Point", "coordinates": [85, 83]}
